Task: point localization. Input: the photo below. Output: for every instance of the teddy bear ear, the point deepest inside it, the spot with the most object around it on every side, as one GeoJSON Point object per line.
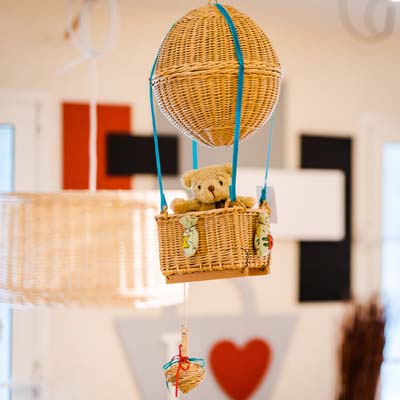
{"type": "Point", "coordinates": [228, 168]}
{"type": "Point", "coordinates": [187, 178]}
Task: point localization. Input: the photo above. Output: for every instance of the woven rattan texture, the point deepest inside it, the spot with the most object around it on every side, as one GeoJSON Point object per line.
{"type": "Point", "coordinates": [196, 76]}
{"type": "Point", "coordinates": [188, 379]}
{"type": "Point", "coordinates": [226, 239]}
{"type": "Point", "coordinates": [74, 248]}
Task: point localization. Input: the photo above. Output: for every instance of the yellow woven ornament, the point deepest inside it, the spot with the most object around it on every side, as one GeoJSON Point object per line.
{"type": "Point", "coordinates": [183, 372]}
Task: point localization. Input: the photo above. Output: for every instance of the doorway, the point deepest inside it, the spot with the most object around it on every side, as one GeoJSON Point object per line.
{"type": "Point", "coordinates": [391, 266]}
{"type": "Point", "coordinates": [378, 221]}
{"type": "Point", "coordinates": [7, 132]}
{"type": "Point", "coordinates": [21, 154]}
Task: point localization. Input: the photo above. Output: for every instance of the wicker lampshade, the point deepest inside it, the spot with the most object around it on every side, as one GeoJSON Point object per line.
{"type": "Point", "coordinates": [196, 74]}
{"type": "Point", "coordinates": [81, 248]}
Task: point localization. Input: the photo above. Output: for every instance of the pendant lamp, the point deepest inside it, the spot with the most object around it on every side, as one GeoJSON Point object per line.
{"type": "Point", "coordinates": [82, 247]}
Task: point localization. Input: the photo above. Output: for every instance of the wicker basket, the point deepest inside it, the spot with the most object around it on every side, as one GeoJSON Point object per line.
{"type": "Point", "coordinates": [226, 246]}
{"type": "Point", "coordinates": [196, 75]}
{"type": "Point", "coordinates": [80, 248]}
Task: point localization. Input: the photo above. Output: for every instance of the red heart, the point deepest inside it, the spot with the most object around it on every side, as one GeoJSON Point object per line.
{"type": "Point", "coordinates": [240, 371]}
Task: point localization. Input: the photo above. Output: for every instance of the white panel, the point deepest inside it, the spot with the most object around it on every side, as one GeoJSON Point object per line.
{"type": "Point", "coordinates": [310, 203]}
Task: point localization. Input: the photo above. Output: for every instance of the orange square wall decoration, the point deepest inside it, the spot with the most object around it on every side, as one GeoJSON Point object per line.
{"type": "Point", "coordinates": [75, 126]}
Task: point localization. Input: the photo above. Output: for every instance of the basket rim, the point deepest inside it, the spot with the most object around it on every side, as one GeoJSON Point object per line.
{"type": "Point", "coordinates": [225, 210]}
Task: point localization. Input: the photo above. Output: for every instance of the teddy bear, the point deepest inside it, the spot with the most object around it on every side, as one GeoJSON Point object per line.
{"type": "Point", "coordinates": [210, 186]}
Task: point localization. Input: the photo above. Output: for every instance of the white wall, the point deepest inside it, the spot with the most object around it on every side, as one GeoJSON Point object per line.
{"type": "Point", "coordinates": [331, 78]}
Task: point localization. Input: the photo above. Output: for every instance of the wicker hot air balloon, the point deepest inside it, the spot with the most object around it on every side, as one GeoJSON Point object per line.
{"type": "Point", "coordinates": [217, 78]}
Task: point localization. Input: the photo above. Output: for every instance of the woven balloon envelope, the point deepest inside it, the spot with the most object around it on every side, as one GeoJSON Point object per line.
{"type": "Point", "coordinates": [196, 75]}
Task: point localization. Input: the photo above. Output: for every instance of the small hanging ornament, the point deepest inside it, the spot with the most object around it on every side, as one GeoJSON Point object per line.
{"type": "Point", "coordinates": [263, 241]}
{"type": "Point", "coordinates": [183, 372]}
{"type": "Point", "coordinates": [190, 239]}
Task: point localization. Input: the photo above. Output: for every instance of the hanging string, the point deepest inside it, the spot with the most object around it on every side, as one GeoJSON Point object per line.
{"type": "Point", "coordinates": [263, 196]}
{"type": "Point", "coordinates": [184, 360]}
{"type": "Point", "coordinates": [183, 365]}
{"type": "Point", "coordinates": [82, 41]}
{"type": "Point", "coordinates": [184, 304]}
{"type": "Point", "coordinates": [93, 127]}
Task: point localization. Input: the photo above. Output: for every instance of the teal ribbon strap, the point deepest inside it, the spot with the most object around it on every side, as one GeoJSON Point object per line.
{"type": "Point", "coordinates": [239, 97]}
{"type": "Point", "coordinates": [175, 360]}
{"type": "Point", "coordinates": [263, 196]}
{"type": "Point", "coordinates": [195, 157]}
{"type": "Point", "coordinates": [163, 201]}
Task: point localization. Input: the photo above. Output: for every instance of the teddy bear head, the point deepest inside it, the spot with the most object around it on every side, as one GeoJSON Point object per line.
{"type": "Point", "coordinates": [209, 184]}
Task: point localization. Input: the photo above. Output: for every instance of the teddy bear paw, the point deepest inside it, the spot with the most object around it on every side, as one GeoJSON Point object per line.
{"type": "Point", "coordinates": [247, 202]}
{"type": "Point", "coordinates": [181, 206]}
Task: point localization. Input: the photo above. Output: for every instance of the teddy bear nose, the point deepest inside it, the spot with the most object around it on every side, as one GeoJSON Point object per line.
{"type": "Point", "coordinates": [211, 188]}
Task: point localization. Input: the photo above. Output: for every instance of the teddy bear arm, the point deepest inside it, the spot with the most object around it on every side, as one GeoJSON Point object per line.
{"type": "Point", "coordinates": [247, 201]}
{"type": "Point", "coordinates": [206, 207]}
{"type": "Point", "coordinates": [181, 206]}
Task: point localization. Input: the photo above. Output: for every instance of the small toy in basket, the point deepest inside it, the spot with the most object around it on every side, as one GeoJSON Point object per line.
{"type": "Point", "coordinates": [184, 372]}
{"type": "Point", "coordinates": [210, 187]}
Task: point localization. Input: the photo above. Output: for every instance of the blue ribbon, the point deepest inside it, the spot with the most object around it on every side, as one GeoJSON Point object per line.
{"type": "Point", "coordinates": [175, 360]}
{"type": "Point", "coordinates": [195, 157]}
{"type": "Point", "coordinates": [263, 196]}
{"type": "Point", "coordinates": [238, 117]}
{"type": "Point", "coordinates": [163, 201]}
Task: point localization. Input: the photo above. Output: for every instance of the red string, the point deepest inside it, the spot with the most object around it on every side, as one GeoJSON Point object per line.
{"type": "Point", "coordinates": [181, 362]}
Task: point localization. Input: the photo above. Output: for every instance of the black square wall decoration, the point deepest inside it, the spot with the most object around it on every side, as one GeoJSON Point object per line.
{"type": "Point", "coordinates": [325, 268]}
{"type": "Point", "coordinates": [134, 154]}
